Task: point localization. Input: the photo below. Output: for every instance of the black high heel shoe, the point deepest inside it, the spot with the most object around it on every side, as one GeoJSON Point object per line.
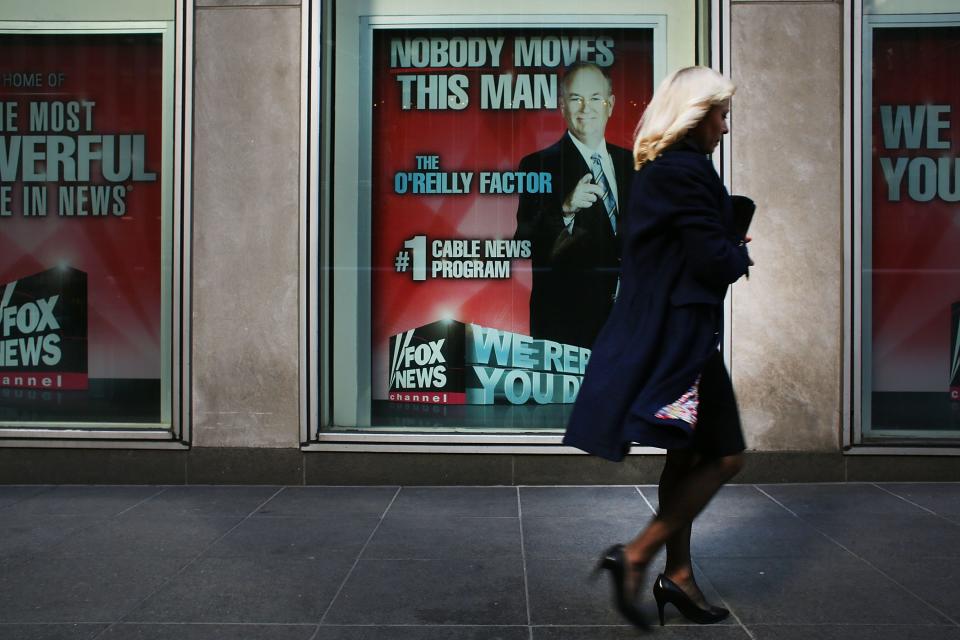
{"type": "Point", "coordinates": [666, 591]}
{"type": "Point", "coordinates": [615, 561]}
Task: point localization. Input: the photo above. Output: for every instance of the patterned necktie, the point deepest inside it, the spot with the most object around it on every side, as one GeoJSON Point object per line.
{"type": "Point", "coordinates": [608, 200]}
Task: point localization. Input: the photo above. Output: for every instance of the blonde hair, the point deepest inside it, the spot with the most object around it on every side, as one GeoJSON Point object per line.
{"type": "Point", "coordinates": [678, 105]}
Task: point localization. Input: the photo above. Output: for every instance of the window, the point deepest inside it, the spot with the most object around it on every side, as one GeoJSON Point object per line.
{"type": "Point", "coordinates": [87, 215]}
{"type": "Point", "coordinates": [437, 128]}
{"type": "Point", "coordinates": [910, 230]}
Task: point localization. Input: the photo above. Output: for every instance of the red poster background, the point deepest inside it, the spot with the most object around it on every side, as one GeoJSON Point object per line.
{"type": "Point", "coordinates": [472, 140]}
{"type": "Point", "coordinates": [123, 75]}
{"type": "Point", "coordinates": [916, 245]}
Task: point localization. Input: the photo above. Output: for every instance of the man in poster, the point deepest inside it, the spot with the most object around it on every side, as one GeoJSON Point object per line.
{"type": "Point", "coordinates": [573, 229]}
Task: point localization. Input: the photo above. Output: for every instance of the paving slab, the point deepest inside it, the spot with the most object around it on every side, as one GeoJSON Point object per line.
{"type": "Point", "coordinates": [849, 499]}
{"type": "Point", "coordinates": [131, 535]}
{"type": "Point", "coordinates": [934, 580]}
{"type": "Point", "coordinates": [876, 537]}
{"type": "Point", "coordinates": [205, 501]}
{"type": "Point", "coordinates": [187, 631]}
{"type": "Point", "coordinates": [582, 502]}
{"type": "Point", "coordinates": [561, 537]}
{"type": "Point", "coordinates": [248, 589]}
{"type": "Point", "coordinates": [858, 561]}
{"type": "Point", "coordinates": [80, 589]}
{"type": "Point", "coordinates": [732, 501]}
{"type": "Point", "coordinates": [11, 494]}
{"type": "Point", "coordinates": [81, 500]}
{"type": "Point", "coordinates": [47, 631]}
{"type": "Point", "coordinates": [790, 590]}
{"type": "Point", "coordinates": [491, 502]}
{"type": "Point", "coordinates": [854, 632]}
{"type": "Point", "coordinates": [25, 535]}
{"type": "Point", "coordinates": [415, 536]}
{"type": "Point", "coordinates": [432, 592]}
{"type": "Point", "coordinates": [329, 502]}
{"type": "Point", "coordinates": [673, 632]}
{"type": "Point", "coordinates": [437, 632]}
{"type": "Point", "coordinates": [943, 499]}
{"type": "Point", "coordinates": [290, 536]}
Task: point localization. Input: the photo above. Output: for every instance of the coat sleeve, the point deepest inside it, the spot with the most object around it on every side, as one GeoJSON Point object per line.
{"type": "Point", "coordinates": [540, 219]}
{"type": "Point", "coordinates": [684, 197]}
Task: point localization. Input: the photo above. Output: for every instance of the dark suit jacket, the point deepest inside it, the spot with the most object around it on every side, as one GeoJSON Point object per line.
{"type": "Point", "coordinates": [679, 256]}
{"type": "Point", "coordinates": [574, 275]}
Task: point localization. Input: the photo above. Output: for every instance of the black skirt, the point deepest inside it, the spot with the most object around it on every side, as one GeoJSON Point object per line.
{"type": "Point", "coordinates": [718, 431]}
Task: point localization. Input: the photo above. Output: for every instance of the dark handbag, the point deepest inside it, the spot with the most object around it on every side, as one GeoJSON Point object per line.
{"type": "Point", "coordinates": [743, 208]}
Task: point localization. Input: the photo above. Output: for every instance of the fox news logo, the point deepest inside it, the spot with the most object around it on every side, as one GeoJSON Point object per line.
{"type": "Point", "coordinates": [426, 364]}
{"type": "Point", "coordinates": [43, 331]}
{"type": "Point", "coordinates": [451, 362]}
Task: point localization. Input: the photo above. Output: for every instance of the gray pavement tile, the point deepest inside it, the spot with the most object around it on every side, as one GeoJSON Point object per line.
{"type": "Point", "coordinates": [435, 537]}
{"type": "Point", "coordinates": [85, 589]}
{"type": "Point", "coordinates": [24, 535]}
{"type": "Point", "coordinates": [43, 631]}
{"type": "Point", "coordinates": [724, 631]}
{"type": "Point", "coordinates": [82, 500]}
{"type": "Point", "coordinates": [186, 631]}
{"type": "Point", "coordinates": [935, 580]}
{"type": "Point", "coordinates": [329, 502]}
{"type": "Point", "coordinates": [133, 535]}
{"type": "Point", "coordinates": [804, 499]}
{"type": "Point", "coordinates": [206, 501]}
{"type": "Point", "coordinates": [768, 536]}
{"type": "Point", "coordinates": [854, 632]}
{"type": "Point", "coordinates": [11, 494]}
{"type": "Point", "coordinates": [254, 590]}
{"type": "Point", "coordinates": [876, 537]}
{"type": "Point", "coordinates": [740, 500]}
{"type": "Point", "coordinates": [435, 632]}
{"type": "Point", "coordinates": [490, 502]}
{"type": "Point", "coordinates": [584, 502]}
{"type": "Point", "coordinates": [791, 590]}
{"type": "Point", "coordinates": [567, 592]}
{"type": "Point", "coordinates": [941, 498]}
{"type": "Point", "coordinates": [296, 537]}
{"type": "Point", "coordinates": [467, 592]}
{"type": "Point", "coordinates": [587, 537]}
{"type": "Point", "coordinates": [50, 631]}
{"type": "Point", "coordinates": [9, 563]}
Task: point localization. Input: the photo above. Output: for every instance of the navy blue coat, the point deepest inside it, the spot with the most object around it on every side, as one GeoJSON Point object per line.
{"type": "Point", "coordinates": [679, 256]}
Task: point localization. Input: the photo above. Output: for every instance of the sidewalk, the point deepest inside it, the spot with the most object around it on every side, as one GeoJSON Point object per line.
{"type": "Point", "coordinates": [818, 561]}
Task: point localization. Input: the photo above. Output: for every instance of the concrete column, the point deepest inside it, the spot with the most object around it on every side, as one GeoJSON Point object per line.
{"type": "Point", "coordinates": [246, 215]}
{"type": "Point", "coordinates": [787, 125]}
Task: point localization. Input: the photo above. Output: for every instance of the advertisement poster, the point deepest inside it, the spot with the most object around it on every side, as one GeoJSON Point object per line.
{"type": "Point", "coordinates": [80, 227]}
{"type": "Point", "coordinates": [915, 221]}
{"type": "Point", "coordinates": [454, 113]}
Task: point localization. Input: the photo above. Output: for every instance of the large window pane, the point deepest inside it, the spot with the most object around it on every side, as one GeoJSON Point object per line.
{"type": "Point", "coordinates": [432, 272]}
{"type": "Point", "coordinates": [85, 216]}
{"type": "Point", "coordinates": [911, 250]}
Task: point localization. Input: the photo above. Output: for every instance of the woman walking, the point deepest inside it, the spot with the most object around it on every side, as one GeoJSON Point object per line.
{"type": "Point", "coordinates": [655, 377]}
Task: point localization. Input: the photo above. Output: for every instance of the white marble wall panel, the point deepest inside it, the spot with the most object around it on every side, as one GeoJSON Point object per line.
{"type": "Point", "coordinates": [787, 123]}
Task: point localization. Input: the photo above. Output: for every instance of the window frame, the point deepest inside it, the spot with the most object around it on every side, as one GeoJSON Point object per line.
{"type": "Point", "coordinates": [317, 351]}
{"type": "Point", "coordinates": [175, 360]}
{"type": "Point", "coordinates": [858, 27]}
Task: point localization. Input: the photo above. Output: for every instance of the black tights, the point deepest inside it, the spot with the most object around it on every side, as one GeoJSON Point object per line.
{"type": "Point", "coordinates": [687, 484]}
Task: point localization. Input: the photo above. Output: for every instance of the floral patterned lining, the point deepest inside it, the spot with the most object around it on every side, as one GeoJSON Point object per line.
{"type": "Point", "coordinates": [685, 407]}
